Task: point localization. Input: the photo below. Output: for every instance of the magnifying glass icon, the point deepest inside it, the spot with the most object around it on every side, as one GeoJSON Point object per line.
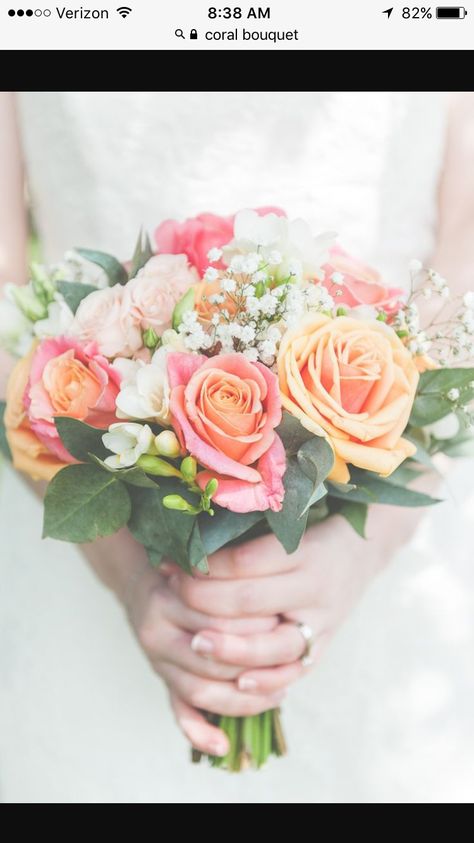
{"type": "Point", "coordinates": [179, 33]}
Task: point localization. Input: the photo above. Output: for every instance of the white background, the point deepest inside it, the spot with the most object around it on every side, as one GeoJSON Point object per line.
{"type": "Point", "coordinates": [334, 24]}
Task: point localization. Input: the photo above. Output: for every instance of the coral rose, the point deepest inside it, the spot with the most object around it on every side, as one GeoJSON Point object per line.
{"type": "Point", "coordinates": [150, 298]}
{"type": "Point", "coordinates": [354, 382]}
{"type": "Point", "coordinates": [198, 235]}
{"type": "Point", "coordinates": [67, 379]}
{"type": "Point", "coordinates": [29, 454]}
{"type": "Point", "coordinates": [361, 285]}
{"type": "Point", "coordinates": [225, 410]}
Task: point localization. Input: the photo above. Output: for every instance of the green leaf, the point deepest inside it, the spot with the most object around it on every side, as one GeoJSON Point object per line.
{"type": "Point", "coordinates": [422, 456]}
{"type": "Point", "coordinates": [134, 476]}
{"type": "Point", "coordinates": [154, 557]}
{"type": "Point", "coordinates": [374, 489]}
{"type": "Point", "coordinates": [142, 254]}
{"type": "Point", "coordinates": [197, 551]}
{"type": "Point", "coordinates": [431, 402]}
{"type": "Point", "coordinates": [290, 523]}
{"type": "Point", "coordinates": [114, 270]}
{"type": "Point", "coordinates": [318, 493]}
{"type": "Point", "coordinates": [225, 526]}
{"type": "Point", "coordinates": [82, 503]}
{"type": "Point", "coordinates": [73, 292]}
{"type": "Point", "coordinates": [292, 433]}
{"type": "Point", "coordinates": [160, 530]}
{"type": "Point", "coordinates": [405, 474]}
{"type": "Point", "coordinates": [356, 514]}
{"type": "Point", "coordinates": [316, 459]}
{"type": "Point", "coordinates": [4, 446]}
{"type": "Point", "coordinates": [80, 439]}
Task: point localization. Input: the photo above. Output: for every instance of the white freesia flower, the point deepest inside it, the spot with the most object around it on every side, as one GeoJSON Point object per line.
{"type": "Point", "coordinates": [145, 392]}
{"type": "Point", "coordinates": [289, 242]}
{"type": "Point", "coordinates": [445, 428]}
{"type": "Point", "coordinates": [58, 321]}
{"type": "Point", "coordinates": [128, 442]}
{"type": "Point", "coordinates": [16, 331]}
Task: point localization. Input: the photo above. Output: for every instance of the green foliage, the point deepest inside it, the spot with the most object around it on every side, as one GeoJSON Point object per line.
{"type": "Point", "coordinates": [114, 270]}
{"type": "Point", "coordinates": [164, 532]}
{"type": "Point", "coordinates": [356, 514]}
{"type": "Point", "coordinates": [83, 503]}
{"type": "Point", "coordinates": [142, 254]}
{"type": "Point", "coordinates": [432, 402]}
{"type": "Point", "coordinates": [225, 527]}
{"type": "Point", "coordinates": [370, 488]}
{"type": "Point", "coordinates": [73, 292]}
{"type": "Point", "coordinates": [80, 439]}
{"type": "Point", "coordinates": [309, 461]}
{"type": "Point", "coordinates": [4, 446]}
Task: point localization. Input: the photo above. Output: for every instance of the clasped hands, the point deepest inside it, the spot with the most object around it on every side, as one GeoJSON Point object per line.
{"type": "Point", "coordinates": [228, 643]}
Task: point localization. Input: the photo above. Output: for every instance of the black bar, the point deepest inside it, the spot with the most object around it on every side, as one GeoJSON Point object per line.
{"type": "Point", "coordinates": [448, 12]}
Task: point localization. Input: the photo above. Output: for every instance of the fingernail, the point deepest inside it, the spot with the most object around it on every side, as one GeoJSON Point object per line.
{"type": "Point", "coordinates": [200, 644]}
{"type": "Point", "coordinates": [247, 684]}
{"type": "Point", "coordinates": [217, 748]}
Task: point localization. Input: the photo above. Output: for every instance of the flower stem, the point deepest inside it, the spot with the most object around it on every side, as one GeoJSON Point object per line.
{"type": "Point", "coordinates": [252, 740]}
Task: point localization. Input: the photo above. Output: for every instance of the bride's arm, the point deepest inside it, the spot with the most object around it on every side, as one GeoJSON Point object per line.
{"type": "Point", "coordinates": [12, 209]}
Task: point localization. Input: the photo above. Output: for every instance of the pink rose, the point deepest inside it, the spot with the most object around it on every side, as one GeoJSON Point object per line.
{"type": "Point", "coordinates": [102, 318]}
{"type": "Point", "coordinates": [150, 298]}
{"type": "Point", "coordinates": [67, 379]}
{"type": "Point", "coordinates": [225, 410]}
{"type": "Point", "coordinates": [361, 284]}
{"type": "Point", "coordinates": [197, 235]}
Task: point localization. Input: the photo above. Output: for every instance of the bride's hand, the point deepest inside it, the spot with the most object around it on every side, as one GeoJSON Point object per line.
{"type": "Point", "coordinates": [317, 585]}
{"type": "Point", "coordinates": [165, 628]}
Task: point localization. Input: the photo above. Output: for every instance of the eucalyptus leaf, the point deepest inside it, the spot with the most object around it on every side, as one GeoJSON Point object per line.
{"type": "Point", "coordinates": [4, 446]}
{"type": "Point", "coordinates": [197, 551]}
{"type": "Point", "coordinates": [292, 433]}
{"type": "Point", "coordinates": [73, 292]}
{"type": "Point", "coordinates": [374, 489]}
{"type": "Point", "coordinates": [185, 304]}
{"type": "Point", "coordinates": [164, 531]}
{"type": "Point", "coordinates": [225, 526]}
{"type": "Point", "coordinates": [142, 254]}
{"type": "Point", "coordinates": [432, 402]}
{"type": "Point", "coordinates": [290, 523]}
{"type": "Point", "coordinates": [318, 493]}
{"type": "Point", "coordinates": [82, 503]}
{"type": "Point", "coordinates": [134, 476]}
{"type": "Point", "coordinates": [356, 514]}
{"type": "Point", "coordinates": [316, 459]}
{"type": "Point", "coordinates": [80, 439]}
{"type": "Point", "coordinates": [114, 270]}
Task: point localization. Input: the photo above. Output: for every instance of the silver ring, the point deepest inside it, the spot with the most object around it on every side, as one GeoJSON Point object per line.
{"type": "Point", "coordinates": [308, 637]}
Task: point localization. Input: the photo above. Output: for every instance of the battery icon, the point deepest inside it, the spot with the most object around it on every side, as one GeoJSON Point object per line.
{"type": "Point", "coordinates": [454, 12]}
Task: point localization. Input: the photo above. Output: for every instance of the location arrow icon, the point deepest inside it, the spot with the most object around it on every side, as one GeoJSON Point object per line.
{"type": "Point", "coordinates": [388, 12]}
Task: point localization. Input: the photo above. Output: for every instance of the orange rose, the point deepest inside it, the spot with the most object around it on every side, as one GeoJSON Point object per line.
{"type": "Point", "coordinates": [203, 304]}
{"type": "Point", "coordinates": [29, 454]}
{"type": "Point", "coordinates": [353, 382]}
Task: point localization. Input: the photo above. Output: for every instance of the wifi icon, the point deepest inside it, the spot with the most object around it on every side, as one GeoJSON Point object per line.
{"type": "Point", "coordinates": [124, 11]}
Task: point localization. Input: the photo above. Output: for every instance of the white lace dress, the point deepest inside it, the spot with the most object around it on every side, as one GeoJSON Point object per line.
{"type": "Point", "coordinates": [387, 717]}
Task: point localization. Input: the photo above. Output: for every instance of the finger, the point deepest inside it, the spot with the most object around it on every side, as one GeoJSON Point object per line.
{"type": "Point", "coordinates": [258, 558]}
{"type": "Point", "coordinates": [282, 646]}
{"type": "Point", "coordinates": [247, 598]}
{"type": "Point", "coordinates": [270, 680]}
{"type": "Point", "coordinates": [176, 648]}
{"type": "Point", "coordinates": [170, 606]}
{"type": "Point", "coordinates": [216, 697]}
{"type": "Point", "coordinates": [201, 734]}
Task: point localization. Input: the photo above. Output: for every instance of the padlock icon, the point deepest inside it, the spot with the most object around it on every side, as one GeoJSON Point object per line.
{"type": "Point", "coordinates": [193, 35]}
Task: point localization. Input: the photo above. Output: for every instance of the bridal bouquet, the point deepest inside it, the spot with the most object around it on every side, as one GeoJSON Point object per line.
{"type": "Point", "coordinates": [246, 377]}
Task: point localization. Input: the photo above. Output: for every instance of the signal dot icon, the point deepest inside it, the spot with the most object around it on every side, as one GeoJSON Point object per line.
{"type": "Point", "coordinates": [124, 11]}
